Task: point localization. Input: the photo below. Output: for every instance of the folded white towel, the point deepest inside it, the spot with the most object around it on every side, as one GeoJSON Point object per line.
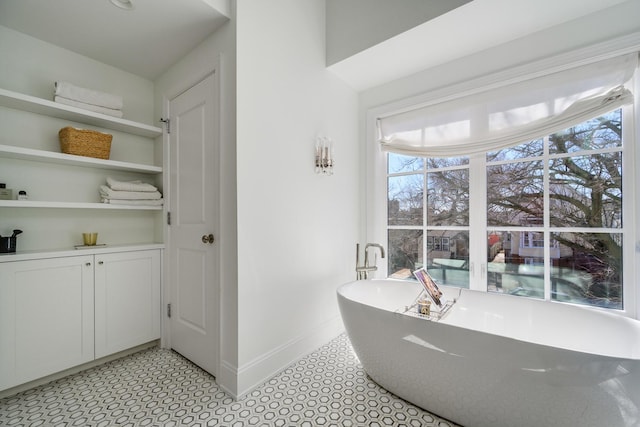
{"type": "Point", "coordinates": [88, 96]}
{"type": "Point", "coordinates": [130, 185]}
{"type": "Point", "coordinates": [84, 106]}
{"type": "Point", "coordinates": [157, 202]}
{"type": "Point", "coordinates": [108, 193]}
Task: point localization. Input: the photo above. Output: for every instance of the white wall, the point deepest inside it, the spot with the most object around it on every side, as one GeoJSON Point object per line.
{"type": "Point", "coordinates": [31, 66]}
{"type": "Point", "coordinates": [296, 230]}
{"type": "Point", "coordinates": [217, 51]}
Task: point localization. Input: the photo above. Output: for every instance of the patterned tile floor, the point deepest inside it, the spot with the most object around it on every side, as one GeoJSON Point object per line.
{"type": "Point", "coordinates": [159, 387]}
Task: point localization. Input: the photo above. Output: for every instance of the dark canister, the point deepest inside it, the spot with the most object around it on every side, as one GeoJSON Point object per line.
{"type": "Point", "coordinates": [8, 244]}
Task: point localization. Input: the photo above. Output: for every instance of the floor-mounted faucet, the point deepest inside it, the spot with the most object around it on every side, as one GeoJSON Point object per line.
{"type": "Point", "coordinates": [362, 271]}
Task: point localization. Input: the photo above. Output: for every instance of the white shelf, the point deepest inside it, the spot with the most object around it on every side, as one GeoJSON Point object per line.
{"type": "Point", "coordinates": [72, 205]}
{"type": "Point", "coordinates": [49, 108]}
{"type": "Point", "coordinates": [68, 159]}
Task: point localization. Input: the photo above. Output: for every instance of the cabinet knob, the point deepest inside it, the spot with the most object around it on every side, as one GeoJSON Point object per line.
{"type": "Point", "coordinates": [88, 264]}
{"type": "Point", "coordinates": [100, 262]}
{"type": "Point", "coordinates": [207, 239]}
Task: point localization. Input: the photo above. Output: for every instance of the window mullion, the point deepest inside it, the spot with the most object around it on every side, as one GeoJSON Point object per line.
{"type": "Point", "coordinates": [425, 206]}
{"type": "Point", "coordinates": [546, 220]}
{"type": "Point", "coordinates": [478, 222]}
{"type": "Point", "coordinates": [631, 212]}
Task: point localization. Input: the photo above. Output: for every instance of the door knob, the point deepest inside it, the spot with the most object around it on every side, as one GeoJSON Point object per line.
{"type": "Point", "coordinates": [207, 239]}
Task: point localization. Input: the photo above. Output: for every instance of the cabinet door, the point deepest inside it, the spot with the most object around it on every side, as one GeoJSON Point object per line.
{"type": "Point", "coordinates": [127, 287]}
{"type": "Point", "coordinates": [46, 317]}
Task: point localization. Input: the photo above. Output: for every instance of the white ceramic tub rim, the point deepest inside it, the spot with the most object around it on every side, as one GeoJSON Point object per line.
{"type": "Point", "coordinates": [559, 325]}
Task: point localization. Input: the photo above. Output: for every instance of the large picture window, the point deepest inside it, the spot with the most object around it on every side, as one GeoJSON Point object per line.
{"type": "Point", "coordinates": [553, 227]}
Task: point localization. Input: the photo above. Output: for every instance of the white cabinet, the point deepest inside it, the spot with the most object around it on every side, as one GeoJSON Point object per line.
{"type": "Point", "coordinates": [127, 300]}
{"type": "Point", "coordinates": [57, 313]}
{"type": "Point", "coordinates": [46, 317]}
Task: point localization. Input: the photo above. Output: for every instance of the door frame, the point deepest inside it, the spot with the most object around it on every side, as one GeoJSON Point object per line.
{"type": "Point", "coordinates": [167, 286]}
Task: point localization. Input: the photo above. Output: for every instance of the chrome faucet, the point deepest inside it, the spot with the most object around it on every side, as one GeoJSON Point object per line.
{"type": "Point", "coordinates": [362, 271]}
{"type": "Point", "coordinates": [366, 253]}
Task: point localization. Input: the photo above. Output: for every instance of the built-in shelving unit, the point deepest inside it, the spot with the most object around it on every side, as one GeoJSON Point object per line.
{"type": "Point", "coordinates": [84, 281]}
{"type": "Point", "coordinates": [36, 105]}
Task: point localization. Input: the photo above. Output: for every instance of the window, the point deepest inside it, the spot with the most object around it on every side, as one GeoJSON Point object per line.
{"type": "Point", "coordinates": [519, 183]}
{"type": "Point", "coordinates": [562, 197]}
{"type": "Point", "coordinates": [428, 217]}
{"type": "Point", "coordinates": [554, 224]}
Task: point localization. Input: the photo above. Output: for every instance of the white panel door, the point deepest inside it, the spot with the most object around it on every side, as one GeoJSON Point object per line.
{"type": "Point", "coordinates": [127, 300]}
{"type": "Point", "coordinates": [46, 317]}
{"type": "Point", "coordinates": [193, 256]}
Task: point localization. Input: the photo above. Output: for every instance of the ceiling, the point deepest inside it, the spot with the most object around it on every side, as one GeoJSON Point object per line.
{"type": "Point", "coordinates": [468, 29]}
{"type": "Point", "coordinates": [145, 41]}
{"type": "Point", "coordinates": [156, 33]}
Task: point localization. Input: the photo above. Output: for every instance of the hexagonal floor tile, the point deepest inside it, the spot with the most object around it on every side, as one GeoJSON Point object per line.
{"type": "Point", "coordinates": [160, 387]}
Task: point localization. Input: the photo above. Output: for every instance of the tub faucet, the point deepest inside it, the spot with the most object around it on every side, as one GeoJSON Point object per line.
{"type": "Point", "coordinates": [362, 271]}
{"type": "Point", "coordinates": [366, 251]}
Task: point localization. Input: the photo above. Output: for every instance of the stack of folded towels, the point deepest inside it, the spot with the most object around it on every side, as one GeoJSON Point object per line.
{"type": "Point", "coordinates": [130, 193]}
{"type": "Point", "coordinates": [88, 99]}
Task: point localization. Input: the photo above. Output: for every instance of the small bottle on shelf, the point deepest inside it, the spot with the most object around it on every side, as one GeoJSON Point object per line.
{"type": "Point", "coordinates": [5, 193]}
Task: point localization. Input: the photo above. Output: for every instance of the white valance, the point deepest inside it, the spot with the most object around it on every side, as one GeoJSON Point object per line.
{"type": "Point", "coordinates": [511, 114]}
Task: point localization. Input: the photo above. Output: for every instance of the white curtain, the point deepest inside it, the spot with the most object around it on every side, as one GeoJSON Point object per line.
{"type": "Point", "coordinates": [511, 114]}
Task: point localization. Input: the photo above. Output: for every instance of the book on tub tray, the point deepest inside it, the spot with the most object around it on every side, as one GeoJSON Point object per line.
{"type": "Point", "coordinates": [429, 285]}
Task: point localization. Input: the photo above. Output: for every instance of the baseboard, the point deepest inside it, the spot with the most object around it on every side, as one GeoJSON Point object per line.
{"type": "Point", "coordinates": [261, 369]}
{"type": "Point", "coordinates": [227, 379]}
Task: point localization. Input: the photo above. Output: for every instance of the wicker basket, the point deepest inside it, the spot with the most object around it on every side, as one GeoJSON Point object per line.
{"type": "Point", "coordinates": [84, 142]}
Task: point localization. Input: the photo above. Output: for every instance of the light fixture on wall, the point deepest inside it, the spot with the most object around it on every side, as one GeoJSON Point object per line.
{"type": "Point", "coordinates": [324, 155]}
{"type": "Point", "coordinates": [122, 4]}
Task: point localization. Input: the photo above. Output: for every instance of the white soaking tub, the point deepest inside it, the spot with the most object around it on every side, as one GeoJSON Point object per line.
{"type": "Point", "coordinates": [497, 360]}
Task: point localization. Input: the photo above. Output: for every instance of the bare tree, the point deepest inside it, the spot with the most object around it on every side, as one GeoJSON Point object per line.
{"type": "Point", "coordinates": [585, 191]}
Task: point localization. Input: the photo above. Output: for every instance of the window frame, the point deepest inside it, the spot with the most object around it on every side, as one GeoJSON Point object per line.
{"type": "Point", "coordinates": [375, 203]}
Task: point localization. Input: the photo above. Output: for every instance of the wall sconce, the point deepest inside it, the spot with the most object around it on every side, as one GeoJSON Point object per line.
{"type": "Point", "coordinates": [324, 155]}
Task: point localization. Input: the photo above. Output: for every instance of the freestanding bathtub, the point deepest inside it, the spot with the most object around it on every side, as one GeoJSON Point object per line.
{"type": "Point", "coordinates": [497, 360]}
